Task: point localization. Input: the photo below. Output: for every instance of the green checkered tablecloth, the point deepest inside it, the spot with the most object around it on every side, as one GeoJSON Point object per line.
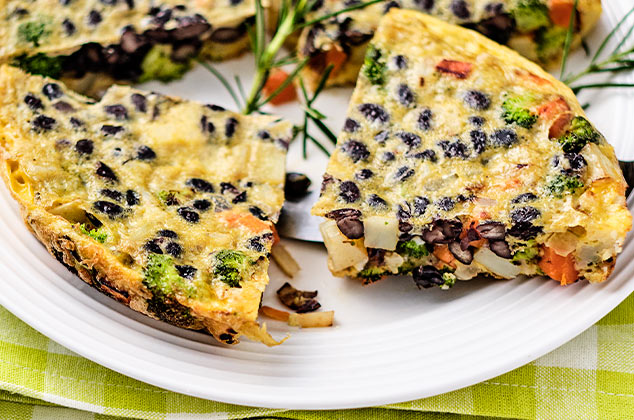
{"type": "Point", "coordinates": [591, 377]}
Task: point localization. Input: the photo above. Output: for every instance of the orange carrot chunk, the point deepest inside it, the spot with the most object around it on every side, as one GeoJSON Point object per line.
{"type": "Point", "coordinates": [336, 58]}
{"type": "Point", "coordinates": [458, 69]}
{"type": "Point", "coordinates": [275, 80]}
{"type": "Point", "coordinates": [558, 267]}
{"type": "Point", "coordinates": [560, 11]}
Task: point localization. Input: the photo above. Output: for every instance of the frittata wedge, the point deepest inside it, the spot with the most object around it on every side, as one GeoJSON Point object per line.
{"type": "Point", "coordinates": [93, 43]}
{"type": "Point", "coordinates": [163, 204]}
{"type": "Point", "coordinates": [535, 28]}
{"type": "Point", "coordinates": [459, 157]}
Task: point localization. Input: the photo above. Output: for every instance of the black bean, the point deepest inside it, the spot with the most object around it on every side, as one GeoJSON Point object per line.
{"type": "Point", "coordinates": [349, 191]}
{"type": "Point", "coordinates": [427, 154]}
{"type": "Point", "coordinates": [76, 122]}
{"type": "Point", "coordinates": [296, 185]}
{"type": "Point", "coordinates": [500, 248]}
{"type": "Point", "coordinates": [404, 211]}
{"type": "Point", "coordinates": [111, 209]}
{"type": "Point", "coordinates": [167, 233]}
{"type": "Point", "coordinates": [400, 61]}
{"type": "Point", "coordinates": [465, 256]}
{"type": "Point", "coordinates": [523, 198]}
{"type": "Point", "coordinates": [524, 214]}
{"type": "Point", "coordinates": [174, 249]}
{"type": "Point", "coordinates": [257, 212]}
{"type": "Point", "coordinates": [94, 17]}
{"type": "Point", "coordinates": [342, 213]}
{"type": "Point", "coordinates": [374, 113]}
{"type": "Point", "coordinates": [477, 100]}
{"type": "Point", "coordinates": [139, 101]}
{"type": "Point", "coordinates": [256, 244]}
{"type": "Point", "coordinates": [227, 35]}
{"type": "Point", "coordinates": [410, 139]}
{"type": "Point", "coordinates": [494, 231]}
{"type": "Point", "coordinates": [118, 111]}
{"type": "Point", "coordinates": [42, 122]}
{"type": "Point", "coordinates": [111, 130]}
{"type": "Point", "coordinates": [200, 185]}
{"type": "Point", "coordinates": [364, 174]}
{"type": "Point", "coordinates": [207, 126]}
{"type": "Point", "coordinates": [525, 231]}
{"type": "Point", "coordinates": [113, 194]}
{"type": "Point", "coordinates": [391, 5]}
{"type": "Point", "coordinates": [405, 95]}
{"type": "Point", "coordinates": [355, 150]}
{"type": "Point", "coordinates": [145, 153]}
{"type": "Point", "coordinates": [499, 27]}
{"type": "Point", "coordinates": [442, 231]}
{"type": "Point", "coordinates": [201, 205]}
{"type": "Point", "coordinates": [33, 102]}
{"type": "Point", "coordinates": [153, 246]}
{"type": "Point", "coordinates": [69, 27]}
{"type": "Point", "coordinates": [445, 203]}
{"type": "Point", "coordinates": [52, 91]}
{"type": "Point", "coordinates": [478, 140]}
{"type": "Point", "coordinates": [109, 2]}
{"type": "Point", "coordinates": [425, 4]}
{"type": "Point", "coordinates": [230, 127]}
{"type": "Point", "coordinates": [460, 9]}
{"type": "Point", "coordinates": [504, 137]}
{"type": "Point", "coordinates": [216, 108]}
{"type": "Point", "coordinates": [403, 173]}
{"type": "Point", "coordinates": [420, 205]}
{"type": "Point", "coordinates": [106, 172]}
{"type": "Point", "coordinates": [477, 121]}
{"type": "Point", "coordinates": [351, 227]}
{"type": "Point", "coordinates": [186, 271]}
{"type": "Point", "coordinates": [576, 161]}
{"type": "Point", "coordinates": [132, 197]}
{"type": "Point", "coordinates": [188, 214]}
{"type": "Point", "coordinates": [240, 198]}
{"type": "Point", "coordinates": [424, 119]}
{"type": "Point", "coordinates": [388, 156]}
{"type": "Point", "coordinates": [454, 149]}
{"type": "Point", "coordinates": [84, 146]}
{"type": "Point", "coordinates": [228, 187]}
{"type": "Point", "coordinates": [382, 136]}
{"type": "Point", "coordinates": [262, 134]}
{"type": "Point", "coordinates": [62, 106]}
{"type": "Point", "coordinates": [190, 27]}
{"type": "Point", "coordinates": [427, 276]}
{"type": "Point", "coordinates": [376, 201]}
{"type": "Point", "coordinates": [350, 126]}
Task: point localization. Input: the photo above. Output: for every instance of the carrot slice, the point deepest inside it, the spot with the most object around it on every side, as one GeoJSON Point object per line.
{"type": "Point", "coordinates": [246, 220]}
{"type": "Point", "coordinates": [275, 80]}
{"type": "Point", "coordinates": [459, 69]}
{"type": "Point", "coordinates": [337, 58]}
{"type": "Point", "coordinates": [553, 108]}
{"type": "Point", "coordinates": [560, 11]}
{"type": "Point", "coordinates": [558, 267]}
{"type": "Point", "coordinates": [443, 254]}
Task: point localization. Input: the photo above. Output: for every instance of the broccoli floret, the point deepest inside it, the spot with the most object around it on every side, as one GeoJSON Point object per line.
{"type": "Point", "coordinates": [157, 65]}
{"type": "Point", "coordinates": [449, 280]}
{"type": "Point", "coordinates": [371, 274]}
{"type": "Point", "coordinates": [550, 42]}
{"type": "Point", "coordinates": [40, 64]}
{"type": "Point", "coordinates": [161, 276]}
{"type": "Point", "coordinates": [412, 249]}
{"type": "Point", "coordinates": [527, 252]}
{"type": "Point", "coordinates": [563, 184]}
{"type": "Point", "coordinates": [515, 110]}
{"type": "Point", "coordinates": [230, 266]}
{"type": "Point", "coordinates": [98, 235]}
{"type": "Point", "coordinates": [578, 135]}
{"type": "Point", "coordinates": [33, 32]}
{"type": "Point", "coordinates": [530, 15]}
{"type": "Point", "coordinates": [374, 66]}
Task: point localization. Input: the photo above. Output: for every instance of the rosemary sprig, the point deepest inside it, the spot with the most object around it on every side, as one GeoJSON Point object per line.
{"type": "Point", "coordinates": [311, 114]}
{"type": "Point", "coordinates": [619, 59]}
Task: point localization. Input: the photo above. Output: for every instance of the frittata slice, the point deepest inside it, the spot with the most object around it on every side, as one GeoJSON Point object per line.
{"type": "Point", "coordinates": [164, 204]}
{"type": "Point", "coordinates": [459, 157]}
{"type": "Point", "coordinates": [535, 28]}
{"type": "Point", "coordinates": [93, 43]}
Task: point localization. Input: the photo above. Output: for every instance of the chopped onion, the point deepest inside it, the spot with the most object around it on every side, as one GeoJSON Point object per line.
{"type": "Point", "coordinates": [381, 232]}
{"type": "Point", "coordinates": [562, 243]}
{"type": "Point", "coordinates": [342, 252]}
{"type": "Point", "coordinates": [307, 320]}
{"type": "Point", "coordinates": [284, 260]}
{"type": "Point", "coordinates": [495, 264]}
{"type": "Point", "coordinates": [275, 314]}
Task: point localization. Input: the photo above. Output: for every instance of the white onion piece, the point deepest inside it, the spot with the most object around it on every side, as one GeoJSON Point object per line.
{"type": "Point", "coordinates": [380, 232]}
{"type": "Point", "coordinates": [284, 260]}
{"type": "Point", "coordinates": [495, 264]}
{"type": "Point", "coordinates": [562, 243]}
{"type": "Point", "coordinates": [342, 252]}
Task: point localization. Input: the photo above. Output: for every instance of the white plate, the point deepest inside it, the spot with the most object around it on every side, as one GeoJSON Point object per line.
{"type": "Point", "coordinates": [391, 341]}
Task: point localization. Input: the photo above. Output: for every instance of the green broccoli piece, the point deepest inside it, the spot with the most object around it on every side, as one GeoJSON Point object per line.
{"type": "Point", "coordinates": [230, 266]}
{"type": "Point", "coordinates": [373, 66]}
{"type": "Point", "coordinates": [33, 32]}
{"type": "Point", "coordinates": [550, 42]}
{"type": "Point", "coordinates": [412, 249]}
{"type": "Point", "coordinates": [530, 15]}
{"type": "Point", "coordinates": [563, 184]}
{"type": "Point", "coordinates": [98, 235]}
{"type": "Point", "coordinates": [578, 135]}
{"type": "Point", "coordinates": [449, 280]}
{"type": "Point", "coordinates": [160, 275]}
{"type": "Point", "coordinates": [40, 64]}
{"type": "Point", "coordinates": [371, 274]}
{"type": "Point", "coordinates": [171, 197]}
{"type": "Point", "coordinates": [515, 110]}
{"type": "Point", "coordinates": [527, 252]}
{"type": "Point", "coordinates": [157, 65]}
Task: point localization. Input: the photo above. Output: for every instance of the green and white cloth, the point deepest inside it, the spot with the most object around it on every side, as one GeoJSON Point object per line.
{"type": "Point", "coordinates": [591, 377]}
